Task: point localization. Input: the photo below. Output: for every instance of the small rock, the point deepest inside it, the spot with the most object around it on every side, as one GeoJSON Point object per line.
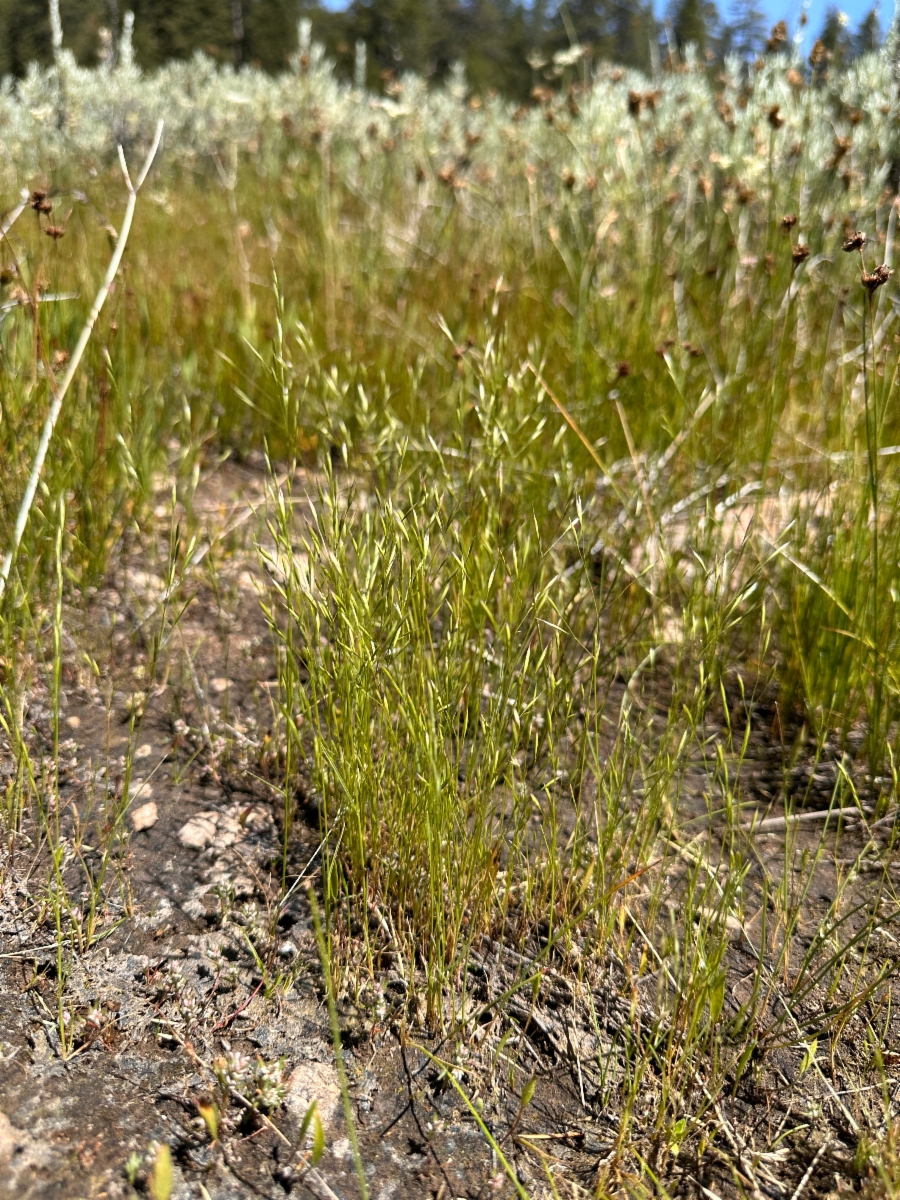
{"type": "Point", "coordinates": [219, 685]}
{"type": "Point", "coordinates": [200, 831]}
{"type": "Point", "coordinates": [143, 751]}
{"type": "Point", "coordinates": [314, 1081]}
{"type": "Point", "coordinates": [73, 722]}
{"type": "Point", "coordinates": [228, 831]}
{"type": "Point", "coordinates": [8, 1138]}
{"type": "Point", "coordinates": [144, 817]}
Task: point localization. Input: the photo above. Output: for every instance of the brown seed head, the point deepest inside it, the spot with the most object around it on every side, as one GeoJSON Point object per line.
{"type": "Point", "coordinates": [37, 197]}
{"type": "Point", "coordinates": [776, 120]}
{"type": "Point", "coordinates": [795, 79]}
{"type": "Point", "coordinates": [726, 112]}
{"type": "Point", "coordinates": [841, 146]}
{"type": "Point", "coordinates": [55, 231]}
{"type": "Point", "coordinates": [777, 37]}
{"type": "Point", "coordinates": [855, 241]}
{"type": "Point", "coordinates": [569, 180]}
{"type": "Point", "coordinates": [799, 254]}
{"type": "Point", "coordinates": [789, 221]}
{"type": "Point", "coordinates": [872, 280]}
{"type": "Point", "coordinates": [623, 369]}
{"type": "Point", "coordinates": [635, 103]}
{"type": "Point", "coordinates": [819, 55]}
{"type": "Point", "coordinates": [855, 116]}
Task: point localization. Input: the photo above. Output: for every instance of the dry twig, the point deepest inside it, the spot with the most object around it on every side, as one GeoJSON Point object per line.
{"type": "Point", "coordinates": [59, 394]}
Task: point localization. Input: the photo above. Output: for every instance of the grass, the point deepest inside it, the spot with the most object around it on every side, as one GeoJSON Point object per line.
{"type": "Point", "coordinates": [582, 540]}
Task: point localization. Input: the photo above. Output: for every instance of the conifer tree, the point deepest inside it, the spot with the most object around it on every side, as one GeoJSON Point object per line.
{"type": "Point", "coordinates": [694, 22]}
{"type": "Point", "coordinates": [746, 31]}
{"type": "Point", "coordinates": [835, 38]}
{"type": "Point", "coordinates": [868, 35]}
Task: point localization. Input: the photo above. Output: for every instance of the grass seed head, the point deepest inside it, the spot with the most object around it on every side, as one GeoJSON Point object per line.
{"type": "Point", "coordinates": [855, 241]}
{"type": "Point", "coordinates": [776, 120]}
{"type": "Point", "coordinates": [799, 254]}
{"type": "Point", "coordinates": [788, 221]}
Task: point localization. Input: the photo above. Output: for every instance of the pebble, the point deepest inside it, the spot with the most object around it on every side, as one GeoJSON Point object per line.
{"type": "Point", "coordinates": [144, 817]}
{"type": "Point", "coordinates": [199, 831]}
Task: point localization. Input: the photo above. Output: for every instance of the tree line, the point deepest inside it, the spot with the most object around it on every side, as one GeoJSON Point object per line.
{"type": "Point", "coordinates": [507, 45]}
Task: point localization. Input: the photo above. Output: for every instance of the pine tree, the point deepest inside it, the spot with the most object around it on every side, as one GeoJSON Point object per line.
{"type": "Point", "coordinates": [694, 22]}
{"type": "Point", "coordinates": [868, 35]}
{"type": "Point", "coordinates": [746, 31]}
{"type": "Point", "coordinates": [620, 31]}
{"type": "Point", "coordinates": [25, 32]}
{"type": "Point", "coordinates": [835, 39]}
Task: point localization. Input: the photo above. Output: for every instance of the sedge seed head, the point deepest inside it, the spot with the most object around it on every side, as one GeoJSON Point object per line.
{"type": "Point", "coordinates": [872, 280]}
{"type": "Point", "coordinates": [777, 37]}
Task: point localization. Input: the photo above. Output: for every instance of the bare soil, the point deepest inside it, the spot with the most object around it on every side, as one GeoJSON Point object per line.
{"type": "Point", "coordinates": [194, 959]}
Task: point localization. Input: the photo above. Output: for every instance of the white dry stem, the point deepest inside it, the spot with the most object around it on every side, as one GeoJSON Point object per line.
{"type": "Point", "coordinates": [14, 215]}
{"type": "Point", "coordinates": [772, 823]}
{"type": "Point", "coordinates": [809, 1170]}
{"type": "Point", "coordinates": [56, 33]}
{"type": "Point", "coordinates": [59, 394]}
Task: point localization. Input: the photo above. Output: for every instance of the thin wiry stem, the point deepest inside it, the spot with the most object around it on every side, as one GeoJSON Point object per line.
{"type": "Point", "coordinates": [59, 394]}
{"type": "Point", "coordinates": [871, 414]}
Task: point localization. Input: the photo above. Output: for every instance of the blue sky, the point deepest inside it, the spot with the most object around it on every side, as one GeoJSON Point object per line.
{"type": "Point", "coordinates": [816, 9]}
